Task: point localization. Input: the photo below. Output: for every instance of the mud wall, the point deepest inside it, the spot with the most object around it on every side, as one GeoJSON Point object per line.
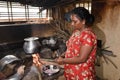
{"type": "Point", "coordinates": [107, 28]}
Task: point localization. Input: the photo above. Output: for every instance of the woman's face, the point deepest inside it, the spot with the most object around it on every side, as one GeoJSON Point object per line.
{"type": "Point", "coordinates": [76, 22]}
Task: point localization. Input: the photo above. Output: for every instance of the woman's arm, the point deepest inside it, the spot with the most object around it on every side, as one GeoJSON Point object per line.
{"type": "Point", "coordinates": [84, 54]}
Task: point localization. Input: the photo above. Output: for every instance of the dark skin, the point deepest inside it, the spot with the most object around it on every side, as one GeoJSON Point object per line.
{"type": "Point", "coordinates": [85, 49]}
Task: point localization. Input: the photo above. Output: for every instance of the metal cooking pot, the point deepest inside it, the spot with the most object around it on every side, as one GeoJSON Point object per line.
{"type": "Point", "coordinates": [7, 60]}
{"type": "Point", "coordinates": [50, 69]}
{"type": "Point", "coordinates": [31, 45]}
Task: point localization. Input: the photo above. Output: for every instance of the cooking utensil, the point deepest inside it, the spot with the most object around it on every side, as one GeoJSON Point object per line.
{"type": "Point", "coordinates": [50, 69]}
{"type": "Point", "coordinates": [31, 45]}
{"type": "Point", "coordinates": [7, 60]}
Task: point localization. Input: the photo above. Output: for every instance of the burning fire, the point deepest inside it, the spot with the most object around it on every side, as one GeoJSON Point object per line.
{"type": "Point", "coordinates": [36, 60]}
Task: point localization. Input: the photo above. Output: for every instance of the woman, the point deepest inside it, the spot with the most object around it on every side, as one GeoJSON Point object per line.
{"type": "Point", "coordinates": [81, 47]}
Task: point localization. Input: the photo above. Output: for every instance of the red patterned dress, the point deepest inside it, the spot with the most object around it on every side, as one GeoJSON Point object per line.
{"type": "Point", "coordinates": [83, 71]}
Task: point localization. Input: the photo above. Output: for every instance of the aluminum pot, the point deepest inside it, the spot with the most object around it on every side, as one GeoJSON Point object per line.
{"type": "Point", "coordinates": [7, 60]}
{"type": "Point", "coordinates": [50, 69]}
{"type": "Point", "coordinates": [31, 45]}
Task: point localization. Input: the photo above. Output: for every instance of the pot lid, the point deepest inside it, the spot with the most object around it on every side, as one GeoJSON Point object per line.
{"type": "Point", "coordinates": [31, 38]}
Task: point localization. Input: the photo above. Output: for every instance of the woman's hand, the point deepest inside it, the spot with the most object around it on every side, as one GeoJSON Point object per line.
{"type": "Point", "coordinates": [60, 60]}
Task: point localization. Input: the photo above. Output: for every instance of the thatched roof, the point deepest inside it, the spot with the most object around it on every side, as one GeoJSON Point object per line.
{"type": "Point", "coordinates": [43, 3]}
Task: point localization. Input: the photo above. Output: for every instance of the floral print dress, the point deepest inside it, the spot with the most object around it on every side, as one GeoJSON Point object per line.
{"type": "Point", "coordinates": [82, 71]}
